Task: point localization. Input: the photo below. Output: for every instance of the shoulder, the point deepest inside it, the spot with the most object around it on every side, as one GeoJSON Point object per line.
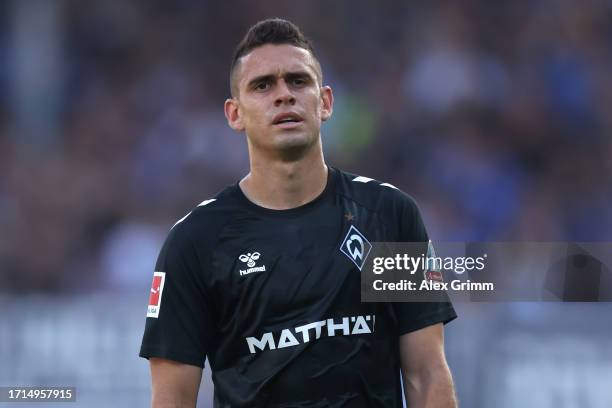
{"type": "Point", "coordinates": [376, 195]}
{"type": "Point", "coordinates": [202, 225]}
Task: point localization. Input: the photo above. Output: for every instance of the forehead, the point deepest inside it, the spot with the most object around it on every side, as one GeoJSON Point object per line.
{"type": "Point", "coordinates": [272, 59]}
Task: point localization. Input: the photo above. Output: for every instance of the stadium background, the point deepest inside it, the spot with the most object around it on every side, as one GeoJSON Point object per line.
{"type": "Point", "coordinates": [496, 116]}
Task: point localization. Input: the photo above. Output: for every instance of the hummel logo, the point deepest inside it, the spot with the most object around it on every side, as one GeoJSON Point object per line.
{"type": "Point", "coordinates": [250, 259]}
{"type": "Point", "coordinates": [356, 247]}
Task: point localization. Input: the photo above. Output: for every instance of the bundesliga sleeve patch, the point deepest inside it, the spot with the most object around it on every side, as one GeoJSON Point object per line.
{"type": "Point", "coordinates": [157, 288]}
{"type": "Point", "coordinates": [432, 271]}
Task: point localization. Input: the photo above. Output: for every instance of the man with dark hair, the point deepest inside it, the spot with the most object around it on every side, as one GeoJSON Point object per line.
{"type": "Point", "coordinates": [264, 278]}
{"type": "Point", "coordinates": [273, 31]}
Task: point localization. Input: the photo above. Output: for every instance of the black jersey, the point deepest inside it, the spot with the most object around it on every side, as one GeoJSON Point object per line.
{"type": "Point", "coordinates": [273, 299]}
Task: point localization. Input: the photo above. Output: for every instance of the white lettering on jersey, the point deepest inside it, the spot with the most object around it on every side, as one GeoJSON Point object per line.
{"type": "Point", "coordinates": [361, 327]}
{"type": "Point", "coordinates": [267, 338]}
{"type": "Point", "coordinates": [331, 327]}
{"type": "Point", "coordinates": [250, 259]}
{"type": "Point", "coordinates": [288, 338]}
{"type": "Point", "coordinates": [304, 330]}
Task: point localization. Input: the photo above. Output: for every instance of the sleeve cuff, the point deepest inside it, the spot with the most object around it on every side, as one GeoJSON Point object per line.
{"type": "Point", "coordinates": [174, 355]}
{"type": "Point", "coordinates": [444, 316]}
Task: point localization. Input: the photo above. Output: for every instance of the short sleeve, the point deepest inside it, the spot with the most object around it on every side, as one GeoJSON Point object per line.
{"type": "Point", "coordinates": [413, 316]}
{"type": "Point", "coordinates": [178, 324]}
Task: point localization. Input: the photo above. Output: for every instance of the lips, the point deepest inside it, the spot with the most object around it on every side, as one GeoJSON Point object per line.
{"type": "Point", "coordinates": [287, 117]}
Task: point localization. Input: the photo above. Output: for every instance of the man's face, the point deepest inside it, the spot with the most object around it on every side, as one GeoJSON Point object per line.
{"type": "Point", "coordinates": [279, 101]}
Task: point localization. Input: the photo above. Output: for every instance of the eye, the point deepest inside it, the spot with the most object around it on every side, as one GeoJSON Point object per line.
{"type": "Point", "coordinates": [299, 81]}
{"type": "Point", "coordinates": [262, 86]}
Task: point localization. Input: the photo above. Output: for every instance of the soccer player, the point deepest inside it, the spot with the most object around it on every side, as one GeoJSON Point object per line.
{"type": "Point", "coordinates": [264, 278]}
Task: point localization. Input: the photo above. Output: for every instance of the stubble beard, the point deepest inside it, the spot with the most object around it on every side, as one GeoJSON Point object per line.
{"type": "Point", "coordinates": [294, 147]}
{"type": "Point", "coordinates": [289, 147]}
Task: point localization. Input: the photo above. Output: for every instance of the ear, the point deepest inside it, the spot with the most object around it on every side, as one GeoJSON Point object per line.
{"type": "Point", "coordinates": [232, 114]}
{"type": "Point", "coordinates": [327, 103]}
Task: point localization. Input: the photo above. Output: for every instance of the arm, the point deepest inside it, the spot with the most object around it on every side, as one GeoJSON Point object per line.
{"type": "Point", "coordinates": [175, 385]}
{"type": "Point", "coordinates": [427, 378]}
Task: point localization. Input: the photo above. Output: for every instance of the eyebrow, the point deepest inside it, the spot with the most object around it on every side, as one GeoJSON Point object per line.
{"type": "Point", "coordinates": [271, 77]}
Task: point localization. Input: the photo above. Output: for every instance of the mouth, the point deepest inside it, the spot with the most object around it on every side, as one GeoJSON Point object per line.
{"type": "Point", "coordinates": [287, 120]}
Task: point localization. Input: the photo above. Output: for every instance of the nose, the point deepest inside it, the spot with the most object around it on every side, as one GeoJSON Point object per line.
{"type": "Point", "coordinates": [284, 95]}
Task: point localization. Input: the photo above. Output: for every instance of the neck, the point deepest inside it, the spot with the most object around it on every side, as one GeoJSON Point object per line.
{"type": "Point", "coordinates": [281, 184]}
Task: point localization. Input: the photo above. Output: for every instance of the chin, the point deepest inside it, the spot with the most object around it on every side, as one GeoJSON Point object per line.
{"type": "Point", "coordinates": [294, 144]}
{"type": "Point", "coordinates": [289, 140]}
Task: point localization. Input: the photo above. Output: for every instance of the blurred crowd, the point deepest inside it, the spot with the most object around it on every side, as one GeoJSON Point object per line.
{"type": "Point", "coordinates": [496, 117]}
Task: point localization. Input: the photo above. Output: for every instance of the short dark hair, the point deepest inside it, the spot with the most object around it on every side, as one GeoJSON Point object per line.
{"type": "Point", "coordinates": [270, 31]}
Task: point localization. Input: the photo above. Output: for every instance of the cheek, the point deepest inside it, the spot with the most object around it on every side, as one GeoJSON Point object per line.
{"type": "Point", "coordinates": [253, 116]}
{"type": "Point", "coordinates": [315, 106]}
{"type": "Point", "coordinates": [260, 120]}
